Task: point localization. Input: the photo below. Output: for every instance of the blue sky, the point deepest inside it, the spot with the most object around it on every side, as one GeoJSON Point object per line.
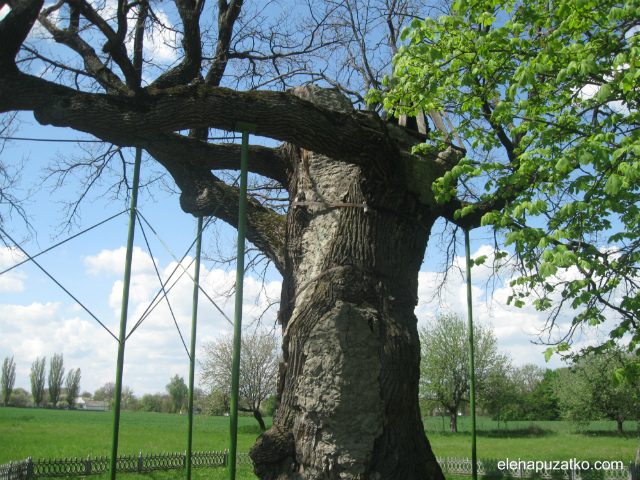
{"type": "Point", "coordinates": [38, 319]}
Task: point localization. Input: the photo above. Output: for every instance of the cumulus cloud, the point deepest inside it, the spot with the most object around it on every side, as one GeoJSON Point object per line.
{"type": "Point", "coordinates": [13, 280]}
{"type": "Point", "coordinates": [113, 261]}
{"type": "Point", "coordinates": [154, 352]}
{"type": "Point", "coordinates": [517, 329]}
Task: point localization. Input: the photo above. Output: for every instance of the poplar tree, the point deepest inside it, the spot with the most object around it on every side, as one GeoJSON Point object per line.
{"type": "Point", "coordinates": [56, 378]}
{"type": "Point", "coordinates": [8, 379]}
{"type": "Point", "coordinates": [37, 377]}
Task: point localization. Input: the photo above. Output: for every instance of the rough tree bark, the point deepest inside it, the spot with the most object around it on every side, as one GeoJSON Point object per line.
{"type": "Point", "coordinates": [349, 248]}
{"type": "Point", "coordinates": [347, 399]}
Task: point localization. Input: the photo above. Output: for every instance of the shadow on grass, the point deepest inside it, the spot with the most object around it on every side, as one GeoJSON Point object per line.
{"type": "Point", "coordinates": [604, 433]}
{"type": "Point", "coordinates": [451, 476]}
{"type": "Point", "coordinates": [250, 429]}
{"type": "Point", "coordinates": [532, 431]}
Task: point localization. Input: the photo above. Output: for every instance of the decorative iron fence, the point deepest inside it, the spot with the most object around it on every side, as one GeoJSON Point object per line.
{"type": "Point", "coordinates": [63, 467]}
{"type": "Point", "coordinates": [541, 470]}
{"type": "Point", "coordinates": [59, 467]}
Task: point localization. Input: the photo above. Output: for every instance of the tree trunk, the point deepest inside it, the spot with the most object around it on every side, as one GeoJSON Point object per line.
{"type": "Point", "coordinates": [620, 432]}
{"type": "Point", "coordinates": [453, 420]}
{"type": "Point", "coordinates": [348, 388]}
{"type": "Point", "coordinates": [257, 415]}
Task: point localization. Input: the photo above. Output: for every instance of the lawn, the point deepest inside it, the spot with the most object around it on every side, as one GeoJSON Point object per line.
{"type": "Point", "coordinates": [534, 440]}
{"type": "Point", "coordinates": [41, 433]}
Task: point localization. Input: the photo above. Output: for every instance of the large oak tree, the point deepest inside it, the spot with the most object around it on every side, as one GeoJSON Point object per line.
{"type": "Point", "coordinates": [359, 210]}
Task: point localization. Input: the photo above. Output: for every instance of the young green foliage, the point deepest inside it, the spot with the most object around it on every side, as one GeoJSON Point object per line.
{"type": "Point", "coordinates": [8, 379]}
{"type": "Point", "coordinates": [56, 378]}
{"type": "Point", "coordinates": [546, 94]}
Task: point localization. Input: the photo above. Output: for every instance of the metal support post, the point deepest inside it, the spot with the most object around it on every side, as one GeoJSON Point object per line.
{"type": "Point", "coordinates": [472, 387]}
{"type": "Point", "coordinates": [123, 313]}
{"type": "Point", "coordinates": [192, 357]}
{"type": "Point", "coordinates": [245, 128]}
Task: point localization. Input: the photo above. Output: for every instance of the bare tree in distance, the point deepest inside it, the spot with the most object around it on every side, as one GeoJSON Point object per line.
{"type": "Point", "coordinates": [73, 386]}
{"type": "Point", "coordinates": [107, 392]}
{"type": "Point", "coordinates": [37, 378]}
{"type": "Point", "coordinates": [359, 204]}
{"type": "Point", "coordinates": [56, 378]}
{"type": "Point", "coordinates": [258, 369]}
{"type": "Point", "coordinates": [8, 379]}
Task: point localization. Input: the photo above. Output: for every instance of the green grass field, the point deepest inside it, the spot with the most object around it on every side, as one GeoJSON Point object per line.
{"type": "Point", "coordinates": [534, 440]}
{"type": "Point", "coordinates": [43, 433]}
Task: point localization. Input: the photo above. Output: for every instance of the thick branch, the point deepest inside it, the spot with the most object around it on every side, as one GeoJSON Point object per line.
{"type": "Point", "coordinates": [471, 220]}
{"type": "Point", "coordinates": [189, 68]}
{"type": "Point", "coordinates": [227, 16]}
{"type": "Point", "coordinates": [265, 161]}
{"type": "Point", "coordinates": [14, 29]}
{"type": "Point", "coordinates": [204, 194]}
{"type": "Point", "coordinates": [95, 67]}
{"type": "Point", "coordinates": [354, 137]}
{"type": "Point", "coordinates": [115, 40]}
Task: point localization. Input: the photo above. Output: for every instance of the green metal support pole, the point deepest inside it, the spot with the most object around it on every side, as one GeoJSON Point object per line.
{"type": "Point", "coordinates": [192, 366]}
{"type": "Point", "coordinates": [472, 386]}
{"type": "Point", "coordinates": [237, 321]}
{"type": "Point", "coordinates": [123, 313]}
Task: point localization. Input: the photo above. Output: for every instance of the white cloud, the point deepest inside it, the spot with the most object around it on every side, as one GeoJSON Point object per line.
{"type": "Point", "coordinates": [515, 328]}
{"type": "Point", "coordinates": [113, 261]}
{"type": "Point", "coordinates": [9, 256]}
{"type": "Point", "coordinates": [11, 281]}
{"type": "Point", "coordinates": [154, 352]}
{"type": "Point", "coordinates": [41, 330]}
{"type": "Point", "coordinates": [161, 43]}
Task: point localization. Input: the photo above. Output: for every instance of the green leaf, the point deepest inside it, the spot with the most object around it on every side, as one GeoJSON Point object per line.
{"type": "Point", "coordinates": [548, 353]}
{"type": "Point", "coordinates": [563, 165]}
{"type": "Point", "coordinates": [548, 269]}
{"type": "Point", "coordinates": [480, 260]}
{"type": "Point", "coordinates": [604, 92]}
{"type": "Point", "coordinates": [612, 187]}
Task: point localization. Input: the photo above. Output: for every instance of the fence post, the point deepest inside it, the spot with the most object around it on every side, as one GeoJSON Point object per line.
{"type": "Point", "coordinates": [29, 467]}
{"type": "Point", "coordinates": [140, 463]}
{"type": "Point", "coordinates": [519, 469]}
{"type": "Point", "coordinates": [87, 465]}
{"type": "Point", "coordinates": [632, 471]}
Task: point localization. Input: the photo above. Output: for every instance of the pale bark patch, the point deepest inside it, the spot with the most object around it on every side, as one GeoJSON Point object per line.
{"type": "Point", "coordinates": [341, 408]}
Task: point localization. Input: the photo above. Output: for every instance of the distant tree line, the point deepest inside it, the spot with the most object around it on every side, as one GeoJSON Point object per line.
{"type": "Point", "coordinates": [581, 393]}
{"type": "Point", "coordinates": [584, 392]}
{"type": "Point", "coordinates": [54, 390]}
{"type": "Point", "coordinates": [60, 390]}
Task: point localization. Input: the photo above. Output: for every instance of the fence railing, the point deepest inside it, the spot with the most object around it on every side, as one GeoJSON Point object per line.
{"type": "Point", "coordinates": [59, 467]}
{"type": "Point", "coordinates": [530, 469]}
{"type": "Point", "coordinates": [63, 467]}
